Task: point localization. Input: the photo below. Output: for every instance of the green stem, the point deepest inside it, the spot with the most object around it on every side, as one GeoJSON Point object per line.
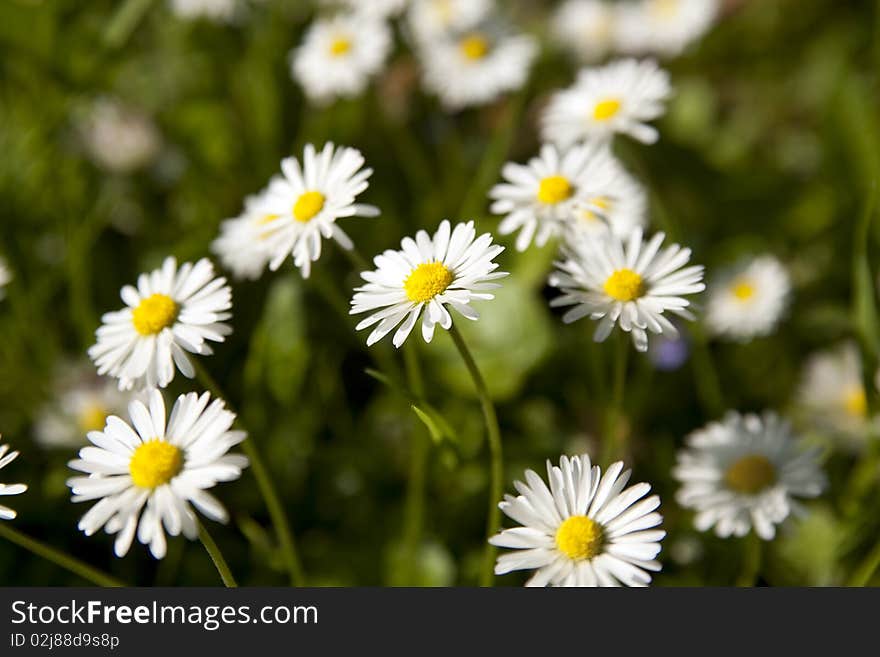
{"type": "Point", "coordinates": [57, 557]}
{"type": "Point", "coordinates": [267, 489]}
{"type": "Point", "coordinates": [216, 556]}
{"type": "Point", "coordinates": [751, 560]}
{"type": "Point", "coordinates": [865, 571]}
{"type": "Point", "coordinates": [496, 467]}
{"type": "Point", "coordinates": [706, 375]}
{"type": "Point", "coordinates": [415, 497]}
{"type": "Point", "coordinates": [613, 442]}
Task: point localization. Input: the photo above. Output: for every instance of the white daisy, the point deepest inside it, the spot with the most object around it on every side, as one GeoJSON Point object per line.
{"type": "Point", "coordinates": [144, 466]}
{"type": "Point", "coordinates": [220, 11]}
{"type": "Point", "coordinates": [571, 190]}
{"type": "Point", "coordinates": [7, 457]}
{"type": "Point", "coordinates": [584, 530]}
{"type": "Point", "coordinates": [833, 395]}
{"type": "Point", "coordinates": [476, 67]}
{"type": "Point", "coordinates": [372, 8]}
{"type": "Point", "coordinates": [309, 199]}
{"type": "Point", "coordinates": [432, 19]}
{"type": "Point", "coordinates": [172, 311]}
{"type": "Point", "coordinates": [630, 283]}
{"type": "Point", "coordinates": [5, 277]}
{"type": "Point", "coordinates": [585, 27]}
{"type": "Point", "coordinates": [749, 300]}
{"type": "Point", "coordinates": [664, 27]}
{"type": "Point", "coordinates": [119, 138]}
{"type": "Point", "coordinates": [451, 269]}
{"type": "Point", "coordinates": [621, 209]}
{"type": "Point", "coordinates": [81, 403]}
{"type": "Point", "coordinates": [339, 55]}
{"type": "Point", "coordinates": [620, 97]}
{"type": "Point", "coordinates": [744, 473]}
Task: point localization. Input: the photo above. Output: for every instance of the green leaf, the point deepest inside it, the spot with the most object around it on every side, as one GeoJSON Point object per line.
{"type": "Point", "coordinates": [437, 425]}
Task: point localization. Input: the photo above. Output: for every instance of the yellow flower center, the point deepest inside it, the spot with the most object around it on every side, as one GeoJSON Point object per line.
{"type": "Point", "coordinates": [155, 463]}
{"type": "Point", "coordinates": [340, 46]}
{"type": "Point", "coordinates": [624, 285]}
{"type": "Point", "coordinates": [155, 313]}
{"type": "Point", "coordinates": [601, 202]}
{"type": "Point", "coordinates": [664, 9]}
{"type": "Point", "coordinates": [474, 46]}
{"type": "Point", "coordinates": [579, 538]}
{"type": "Point", "coordinates": [308, 205]}
{"type": "Point", "coordinates": [92, 418]}
{"type": "Point", "coordinates": [751, 474]}
{"type": "Point", "coordinates": [606, 109]}
{"type": "Point", "coordinates": [554, 189]}
{"type": "Point", "coordinates": [856, 402]}
{"type": "Point", "coordinates": [427, 281]}
{"type": "Point", "coordinates": [743, 290]}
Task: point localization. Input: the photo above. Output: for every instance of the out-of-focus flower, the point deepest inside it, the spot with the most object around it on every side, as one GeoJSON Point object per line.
{"type": "Point", "coordinates": [172, 311]}
{"type": "Point", "coordinates": [744, 473]}
{"type": "Point", "coordinates": [424, 278]}
{"type": "Point", "coordinates": [5, 277]}
{"type": "Point", "coordinates": [119, 138]}
{"type": "Point", "coordinates": [585, 27]}
{"type": "Point", "coordinates": [432, 19]}
{"type": "Point", "coordinates": [339, 55]}
{"type": "Point", "coordinates": [300, 209]}
{"type": "Point", "coordinates": [220, 11]}
{"type": "Point", "coordinates": [630, 283]}
{"type": "Point", "coordinates": [749, 300]}
{"type": "Point", "coordinates": [662, 27]}
{"type": "Point", "coordinates": [620, 97]}
{"type": "Point", "coordinates": [584, 530]}
{"type": "Point", "coordinates": [668, 353]}
{"type": "Point", "coordinates": [7, 457]}
{"type": "Point", "coordinates": [148, 477]}
{"type": "Point", "coordinates": [372, 8]}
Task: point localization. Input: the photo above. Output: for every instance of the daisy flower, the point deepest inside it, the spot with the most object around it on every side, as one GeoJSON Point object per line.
{"type": "Point", "coordinates": [428, 274]}
{"type": "Point", "coordinates": [339, 55]}
{"type": "Point", "coordinates": [620, 97]}
{"type": "Point", "coordinates": [664, 27]}
{"type": "Point", "coordinates": [147, 475]}
{"type": "Point", "coordinates": [220, 11]}
{"type": "Point", "coordinates": [308, 200]}
{"type": "Point", "coordinates": [81, 402]}
{"type": "Point", "coordinates": [744, 473]}
{"type": "Point", "coordinates": [559, 191]}
{"type": "Point", "coordinates": [372, 8]}
{"type": "Point", "coordinates": [585, 27]}
{"type": "Point", "coordinates": [432, 19]}
{"type": "Point", "coordinates": [749, 300]}
{"type": "Point", "coordinates": [833, 395]}
{"type": "Point", "coordinates": [7, 457]}
{"type": "Point", "coordinates": [5, 277]}
{"type": "Point", "coordinates": [621, 209]}
{"type": "Point", "coordinates": [630, 283]}
{"type": "Point", "coordinates": [586, 529]}
{"type": "Point", "coordinates": [475, 67]}
{"type": "Point", "coordinates": [171, 311]}
{"type": "Point", "coordinates": [119, 138]}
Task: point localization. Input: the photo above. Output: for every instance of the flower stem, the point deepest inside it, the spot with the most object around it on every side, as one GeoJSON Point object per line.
{"type": "Point", "coordinates": [866, 569]}
{"type": "Point", "coordinates": [751, 560]}
{"type": "Point", "coordinates": [267, 489]}
{"type": "Point", "coordinates": [496, 468]}
{"type": "Point", "coordinates": [614, 438]}
{"type": "Point", "coordinates": [415, 496]}
{"type": "Point", "coordinates": [216, 556]}
{"type": "Point", "coordinates": [58, 557]}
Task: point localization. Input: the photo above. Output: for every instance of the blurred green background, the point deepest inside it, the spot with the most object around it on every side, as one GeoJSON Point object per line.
{"type": "Point", "coordinates": [771, 144]}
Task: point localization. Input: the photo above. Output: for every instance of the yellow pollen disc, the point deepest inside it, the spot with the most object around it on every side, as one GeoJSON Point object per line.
{"type": "Point", "coordinates": [743, 290]}
{"type": "Point", "coordinates": [474, 46]}
{"type": "Point", "coordinates": [601, 202]}
{"type": "Point", "coordinates": [92, 418]}
{"type": "Point", "coordinates": [579, 538]}
{"type": "Point", "coordinates": [155, 463]}
{"type": "Point", "coordinates": [606, 109]}
{"type": "Point", "coordinates": [153, 314]}
{"type": "Point", "coordinates": [664, 8]}
{"type": "Point", "coordinates": [308, 205]}
{"type": "Point", "coordinates": [340, 46]}
{"type": "Point", "coordinates": [855, 402]}
{"type": "Point", "coordinates": [624, 285]}
{"type": "Point", "coordinates": [427, 281]}
{"type": "Point", "coordinates": [554, 189]}
{"type": "Point", "coordinates": [751, 474]}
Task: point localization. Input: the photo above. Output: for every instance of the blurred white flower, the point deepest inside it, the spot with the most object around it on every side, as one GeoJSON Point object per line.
{"type": "Point", "coordinates": [744, 473]}
{"type": "Point", "coordinates": [371, 8]}
{"type": "Point", "coordinates": [428, 274]}
{"type": "Point", "coordinates": [584, 530]}
{"type": "Point", "coordinates": [749, 300]}
{"type": "Point", "coordinates": [119, 138]}
{"type": "Point", "coordinates": [475, 67]}
{"type": "Point", "coordinates": [148, 477]}
{"type": "Point", "coordinates": [662, 27]}
{"type": "Point", "coordinates": [220, 11]}
{"type": "Point", "coordinates": [7, 457]}
{"type": "Point", "coordinates": [339, 55]}
{"type": "Point", "coordinates": [620, 97]}
{"type": "Point", "coordinates": [301, 208]}
{"type": "Point", "coordinates": [585, 27]}
{"type": "Point", "coordinates": [627, 282]}
{"type": "Point", "coordinates": [432, 19]}
{"type": "Point", "coordinates": [172, 311]}
{"type": "Point", "coordinates": [5, 277]}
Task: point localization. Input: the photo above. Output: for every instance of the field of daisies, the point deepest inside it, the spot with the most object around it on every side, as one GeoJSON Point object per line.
{"type": "Point", "coordinates": [439, 293]}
